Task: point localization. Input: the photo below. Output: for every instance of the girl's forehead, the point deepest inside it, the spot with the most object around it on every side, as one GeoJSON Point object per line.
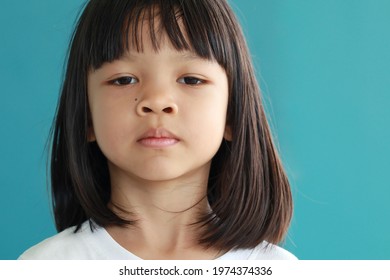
{"type": "Point", "coordinates": [147, 42]}
{"type": "Point", "coordinates": [152, 32]}
{"type": "Point", "coordinates": [169, 53]}
{"type": "Point", "coordinates": [154, 40]}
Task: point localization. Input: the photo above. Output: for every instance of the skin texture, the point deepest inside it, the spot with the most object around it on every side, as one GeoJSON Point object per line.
{"type": "Point", "coordinates": [159, 116]}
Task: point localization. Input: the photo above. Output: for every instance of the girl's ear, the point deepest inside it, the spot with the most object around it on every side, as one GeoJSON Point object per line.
{"type": "Point", "coordinates": [228, 133]}
{"type": "Point", "coordinates": [91, 134]}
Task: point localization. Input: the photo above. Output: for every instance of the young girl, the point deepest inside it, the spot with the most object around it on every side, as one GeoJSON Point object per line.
{"type": "Point", "coordinates": [161, 147]}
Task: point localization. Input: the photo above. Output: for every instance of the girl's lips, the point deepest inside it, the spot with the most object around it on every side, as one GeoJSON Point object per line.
{"type": "Point", "coordinates": [157, 142]}
{"type": "Point", "coordinates": [158, 138]}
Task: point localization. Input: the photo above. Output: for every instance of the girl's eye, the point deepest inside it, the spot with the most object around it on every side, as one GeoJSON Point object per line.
{"type": "Point", "coordinates": [192, 81]}
{"type": "Point", "coordinates": [123, 81]}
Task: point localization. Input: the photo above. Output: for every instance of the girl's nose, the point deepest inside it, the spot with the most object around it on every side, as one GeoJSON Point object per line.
{"type": "Point", "coordinates": [158, 103]}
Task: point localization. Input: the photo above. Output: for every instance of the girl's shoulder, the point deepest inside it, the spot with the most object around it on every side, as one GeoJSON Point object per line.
{"type": "Point", "coordinates": [63, 245]}
{"type": "Point", "coordinates": [264, 251]}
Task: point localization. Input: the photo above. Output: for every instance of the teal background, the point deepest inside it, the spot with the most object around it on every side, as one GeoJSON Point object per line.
{"type": "Point", "coordinates": [324, 67]}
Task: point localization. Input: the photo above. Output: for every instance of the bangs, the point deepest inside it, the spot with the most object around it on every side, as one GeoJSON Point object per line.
{"type": "Point", "coordinates": [115, 27]}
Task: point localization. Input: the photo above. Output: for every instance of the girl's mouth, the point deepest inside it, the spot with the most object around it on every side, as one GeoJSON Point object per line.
{"type": "Point", "coordinates": [158, 138]}
{"type": "Point", "coordinates": [158, 142]}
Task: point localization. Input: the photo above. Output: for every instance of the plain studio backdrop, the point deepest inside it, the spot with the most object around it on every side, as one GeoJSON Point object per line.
{"type": "Point", "coordinates": [324, 68]}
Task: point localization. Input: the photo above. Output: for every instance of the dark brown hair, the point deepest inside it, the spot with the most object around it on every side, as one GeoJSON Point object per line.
{"type": "Point", "coordinates": [248, 189]}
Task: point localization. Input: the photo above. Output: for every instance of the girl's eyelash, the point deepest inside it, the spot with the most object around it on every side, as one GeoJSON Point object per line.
{"type": "Point", "coordinates": [123, 81]}
{"type": "Point", "coordinates": [128, 80]}
{"type": "Point", "coordinates": [192, 81]}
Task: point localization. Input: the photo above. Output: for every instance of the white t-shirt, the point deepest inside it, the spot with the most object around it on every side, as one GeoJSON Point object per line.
{"type": "Point", "coordinates": [99, 245]}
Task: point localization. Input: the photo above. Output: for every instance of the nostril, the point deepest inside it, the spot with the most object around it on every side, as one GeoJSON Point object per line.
{"type": "Point", "coordinates": [149, 109]}
{"type": "Point", "coordinates": [146, 110]}
{"type": "Point", "coordinates": [168, 110]}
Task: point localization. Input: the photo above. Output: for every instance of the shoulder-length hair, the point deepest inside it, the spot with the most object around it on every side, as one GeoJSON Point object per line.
{"type": "Point", "coordinates": [248, 189]}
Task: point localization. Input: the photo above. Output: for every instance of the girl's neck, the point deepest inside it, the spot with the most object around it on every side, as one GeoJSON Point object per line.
{"type": "Point", "coordinates": [165, 213]}
{"type": "Point", "coordinates": [170, 237]}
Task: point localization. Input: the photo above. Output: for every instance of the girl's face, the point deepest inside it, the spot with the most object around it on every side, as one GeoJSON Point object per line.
{"type": "Point", "coordinates": [159, 115]}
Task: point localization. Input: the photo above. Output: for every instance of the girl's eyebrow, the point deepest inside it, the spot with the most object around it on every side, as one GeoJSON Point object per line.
{"type": "Point", "coordinates": [188, 56]}
{"type": "Point", "coordinates": [182, 55]}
